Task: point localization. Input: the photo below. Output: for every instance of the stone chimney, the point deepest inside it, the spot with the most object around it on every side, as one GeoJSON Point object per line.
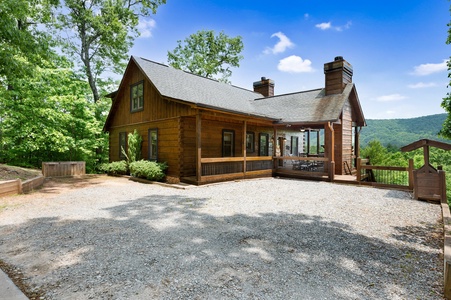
{"type": "Point", "coordinates": [338, 73]}
{"type": "Point", "coordinates": [264, 87]}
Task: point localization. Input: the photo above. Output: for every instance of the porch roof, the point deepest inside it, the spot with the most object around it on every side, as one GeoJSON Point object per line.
{"type": "Point", "coordinates": [302, 107]}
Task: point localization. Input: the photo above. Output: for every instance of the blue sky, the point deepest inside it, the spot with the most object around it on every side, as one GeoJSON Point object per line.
{"type": "Point", "coordinates": [397, 48]}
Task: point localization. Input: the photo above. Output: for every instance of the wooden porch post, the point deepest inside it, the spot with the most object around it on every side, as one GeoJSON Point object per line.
{"type": "Point", "coordinates": [274, 145]}
{"type": "Point", "coordinates": [359, 174]}
{"type": "Point", "coordinates": [244, 146]}
{"type": "Point", "coordinates": [317, 143]}
{"type": "Point", "coordinates": [330, 142]}
{"type": "Point", "coordinates": [198, 147]}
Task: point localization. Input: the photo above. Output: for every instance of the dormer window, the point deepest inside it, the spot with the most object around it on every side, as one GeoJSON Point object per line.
{"type": "Point", "coordinates": [137, 97]}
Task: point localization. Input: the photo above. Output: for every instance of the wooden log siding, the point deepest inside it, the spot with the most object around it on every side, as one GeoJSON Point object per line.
{"type": "Point", "coordinates": [155, 106]}
{"type": "Point", "coordinates": [169, 141]}
{"type": "Point", "coordinates": [67, 168]}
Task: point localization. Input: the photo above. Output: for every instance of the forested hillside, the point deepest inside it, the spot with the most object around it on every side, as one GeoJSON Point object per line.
{"type": "Point", "coordinates": [401, 132]}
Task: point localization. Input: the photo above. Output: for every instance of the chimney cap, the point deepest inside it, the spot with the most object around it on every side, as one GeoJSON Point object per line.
{"type": "Point", "coordinates": [337, 58]}
{"type": "Point", "coordinates": [263, 78]}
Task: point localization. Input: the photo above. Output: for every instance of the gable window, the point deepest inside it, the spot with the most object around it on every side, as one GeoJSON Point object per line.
{"type": "Point", "coordinates": [250, 136]}
{"type": "Point", "coordinates": [228, 145]}
{"type": "Point", "coordinates": [153, 144]}
{"type": "Point", "coordinates": [263, 144]}
{"type": "Point", "coordinates": [122, 145]}
{"type": "Point", "coordinates": [137, 96]}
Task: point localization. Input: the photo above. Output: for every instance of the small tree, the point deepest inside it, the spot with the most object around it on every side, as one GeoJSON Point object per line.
{"type": "Point", "coordinates": [206, 54]}
{"type": "Point", "coordinates": [134, 147]}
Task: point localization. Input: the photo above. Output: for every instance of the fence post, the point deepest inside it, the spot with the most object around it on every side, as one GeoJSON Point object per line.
{"type": "Point", "coordinates": [442, 186]}
{"type": "Point", "coordinates": [411, 181]}
{"type": "Point", "coordinates": [359, 174]}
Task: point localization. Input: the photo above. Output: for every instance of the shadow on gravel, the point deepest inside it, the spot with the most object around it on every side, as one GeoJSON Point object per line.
{"type": "Point", "coordinates": [163, 247]}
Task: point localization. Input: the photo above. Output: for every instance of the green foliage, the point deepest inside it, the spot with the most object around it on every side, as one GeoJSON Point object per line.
{"type": "Point", "coordinates": [446, 103]}
{"type": "Point", "coordinates": [47, 118]}
{"type": "Point", "coordinates": [98, 34]}
{"type": "Point", "coordinates": [206, 54]}
{"type": "Point", "coordinates": [375, 151]}
{"type": "Point", "coordinates": [396, 133]}
{"type": "Point", "coordinates": [115, 168]}
{"type": "Point", "coordinates": [134, 147]}
{"type": "Point", "coordinates": [23, 46]}
{"type": "Point", "coordinates": [148, 170]}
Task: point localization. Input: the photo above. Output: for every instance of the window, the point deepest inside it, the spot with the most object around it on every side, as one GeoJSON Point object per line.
{"type": "Point", "coordinates": [294, 145]}
{"type": "Point", "coordinates": [263, 144]}
{"type": "Point", "coordinates": [153, 144]}
{"type": "Point", "coordinates": [250, 136]}
{"type": "Point", "coordinates": [228, 145]}
{"type": "Point", "coordinates": [122, 145]}
{"type": "Point", "coordinates": [137, 96]}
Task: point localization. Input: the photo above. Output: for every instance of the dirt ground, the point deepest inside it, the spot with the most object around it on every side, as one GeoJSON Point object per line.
{"type": "Point", "coordinates": [11, 173]}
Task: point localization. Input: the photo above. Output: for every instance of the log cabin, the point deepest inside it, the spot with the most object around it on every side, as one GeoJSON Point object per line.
{"type": "Point", "coordinates": [209, 131]}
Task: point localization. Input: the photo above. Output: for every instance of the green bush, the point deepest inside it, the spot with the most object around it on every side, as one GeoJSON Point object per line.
{"type": "Point", "coordinates": [148, 170]}
{"type": "Point", "coordinates": [115, 168]}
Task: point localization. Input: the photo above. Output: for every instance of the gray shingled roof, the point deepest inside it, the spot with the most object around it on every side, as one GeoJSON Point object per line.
{"type": "Point", "coordinates": [309, 106]}
{"type": "Point", "coordinates": [305, 107]}
{"type": "Point", "coordinates": [181, 85]}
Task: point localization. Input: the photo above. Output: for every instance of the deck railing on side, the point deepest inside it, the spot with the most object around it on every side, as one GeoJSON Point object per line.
{"type": "Point", "coordinates": [385, 176]}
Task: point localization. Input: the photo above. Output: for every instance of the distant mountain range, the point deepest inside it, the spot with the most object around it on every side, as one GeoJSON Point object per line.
{"type": "Point", "coordinates": [401, 132]}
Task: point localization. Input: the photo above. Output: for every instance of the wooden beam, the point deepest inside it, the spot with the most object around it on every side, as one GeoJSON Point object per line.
{"type": "Point", "coordinates": [198, 147]}
{"type": "Point", "coordinates": [426, 142]}
{"type": "Point", "coordinates": [244, 146]}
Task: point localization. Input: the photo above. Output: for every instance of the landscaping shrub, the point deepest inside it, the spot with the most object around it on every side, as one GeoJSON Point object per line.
{"type": "Point", "coordinates": [116, 168]}
{"type": "Point", "coordinates": [148, 170]}
{"type": "Point", "coordinates": [134, 146]}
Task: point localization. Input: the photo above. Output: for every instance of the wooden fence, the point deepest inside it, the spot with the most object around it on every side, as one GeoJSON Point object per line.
{"type": "Point", "coordinates": [65, 168]}
{"type": "Point", "coordinates": [385, 176]}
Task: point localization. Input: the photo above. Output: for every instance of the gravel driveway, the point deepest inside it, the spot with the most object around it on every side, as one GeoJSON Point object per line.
{"type": "Point", "coordinates": [111, 238]}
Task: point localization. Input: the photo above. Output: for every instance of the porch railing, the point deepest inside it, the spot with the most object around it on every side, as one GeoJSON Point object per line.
{"type": "Point", "coordinates": [385, 176]}
{"type": "Point", "coordinates": [299, 166]}
{"type": "Point", "coordinates": [235, 165]}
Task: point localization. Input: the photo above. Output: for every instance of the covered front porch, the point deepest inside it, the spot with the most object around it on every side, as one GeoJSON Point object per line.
{"type": "Point", "coordinates": [304, 151]}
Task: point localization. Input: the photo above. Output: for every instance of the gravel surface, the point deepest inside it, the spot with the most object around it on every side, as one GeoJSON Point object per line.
{"type": "Point", "coordinates": [112, 238]}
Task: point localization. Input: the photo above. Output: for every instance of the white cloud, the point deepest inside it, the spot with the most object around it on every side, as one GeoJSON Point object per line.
{"type": "Point", "coordinates": [422, 85]}
{"type": "Point", "coordinates": [283, 44]}
{"type": "Point", "coordinates": [391, 98]}
{"type": "Point", "coordinates": [427, 69]}
{"type": "Point", "coordinates": [145, 27]}
{"type": "Point", "coordinates": [328, 25]}
{"type": "Point", "coordinates": [295, 64]}
{"type": "Point", "coordinates": [306, 16]}
{"type": "Point", "coordinates": [323, 26]}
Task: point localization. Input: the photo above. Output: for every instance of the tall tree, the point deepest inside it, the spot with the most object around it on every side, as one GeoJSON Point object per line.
{"type": "Point", "coordinates": [23, 46]}
{"type": "Point", "coordinates": [446, 103]}
{"type": "Point", "coordinates": [206, 54]}
{"type": "Point", "coordinates": [99, 33]}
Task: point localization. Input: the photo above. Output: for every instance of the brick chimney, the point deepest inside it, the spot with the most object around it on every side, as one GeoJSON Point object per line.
{"type": "Point", "coordinates": [338, 73]}
{"type": "Point", "coordinates": [264, 87]}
